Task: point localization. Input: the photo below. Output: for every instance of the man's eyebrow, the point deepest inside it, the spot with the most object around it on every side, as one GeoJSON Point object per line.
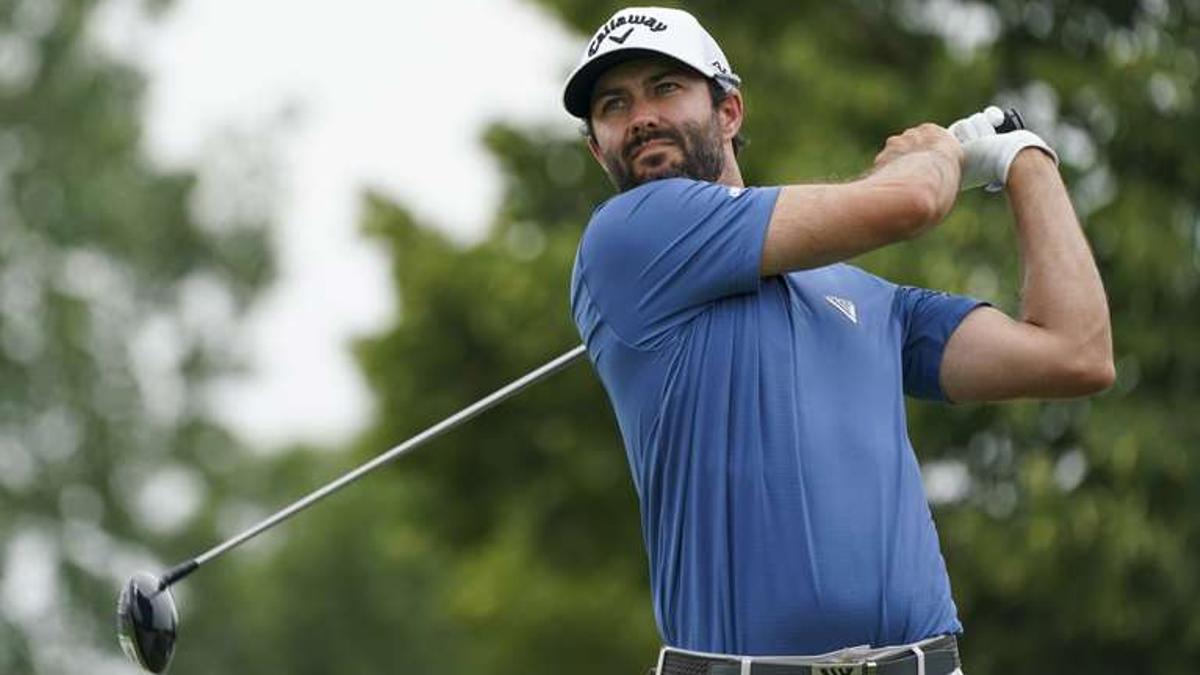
{"type": "Point", "coordinates": [669, 71]}
{"type": "Point", "coordinates": [610, 91]}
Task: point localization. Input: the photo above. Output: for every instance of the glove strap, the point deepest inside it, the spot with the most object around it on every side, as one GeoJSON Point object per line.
{"type": "Point", "coordinates": [1018, 141]}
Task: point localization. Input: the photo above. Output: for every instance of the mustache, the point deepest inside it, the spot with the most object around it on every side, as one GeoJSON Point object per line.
{"type": "Point", "coordinates": [639, 140]}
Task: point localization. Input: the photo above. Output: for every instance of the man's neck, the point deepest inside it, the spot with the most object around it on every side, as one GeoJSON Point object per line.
{"type": "Point", "coordinates": [732, 175]}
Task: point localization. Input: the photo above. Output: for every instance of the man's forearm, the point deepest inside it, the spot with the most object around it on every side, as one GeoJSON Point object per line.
{"type": "Point", "coordinates": [1061, 289]}
{"type": "Point", "coordinates": [815, 225]}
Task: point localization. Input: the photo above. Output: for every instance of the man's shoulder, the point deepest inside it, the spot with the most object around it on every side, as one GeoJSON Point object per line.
{"type": "Point", "coordinates": [624, 203]}
{"type": "Point", "coordinates": [634, 214]}
{"type": "Point", "coordinates": [668, 201]}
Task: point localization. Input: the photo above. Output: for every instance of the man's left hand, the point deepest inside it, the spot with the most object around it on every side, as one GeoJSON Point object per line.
{"type": "Point", "coordinates": [987, 155]}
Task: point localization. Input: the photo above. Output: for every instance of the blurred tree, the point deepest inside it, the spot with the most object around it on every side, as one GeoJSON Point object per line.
{"type": "Point", "coordinates": [115, 311]}
{"type": "Point", "coordinates": [511, 546]}
{"type": "Point", "coordinates": [532, 503]}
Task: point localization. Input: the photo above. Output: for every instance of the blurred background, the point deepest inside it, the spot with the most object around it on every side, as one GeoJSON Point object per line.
{"type": "Point", "coordinates": [245, 246]}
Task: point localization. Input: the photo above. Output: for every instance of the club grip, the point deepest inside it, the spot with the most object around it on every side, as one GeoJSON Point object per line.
{"type": "Point", "coordinates": [1012, 122]}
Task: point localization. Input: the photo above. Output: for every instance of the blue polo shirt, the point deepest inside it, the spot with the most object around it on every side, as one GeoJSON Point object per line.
{"type": "Point", "coordinates": [781, 502]}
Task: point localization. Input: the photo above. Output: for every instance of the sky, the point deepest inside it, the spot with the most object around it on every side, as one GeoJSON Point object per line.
{"type": "Point", "coordinates": [324, 100]}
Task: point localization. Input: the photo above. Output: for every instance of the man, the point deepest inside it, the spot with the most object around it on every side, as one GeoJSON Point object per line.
{"type": "Point", "coordinates": [758, 381]}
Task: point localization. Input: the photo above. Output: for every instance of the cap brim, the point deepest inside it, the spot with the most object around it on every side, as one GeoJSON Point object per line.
{"type": "Point", "coordinates": [577, 95]}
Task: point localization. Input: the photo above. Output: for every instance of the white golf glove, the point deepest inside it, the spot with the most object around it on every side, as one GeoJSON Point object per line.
{"type": "Point", "coordinates": [989, 155]}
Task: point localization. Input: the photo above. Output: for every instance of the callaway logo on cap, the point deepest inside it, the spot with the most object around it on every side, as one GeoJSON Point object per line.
{"type": "Point", "coordinates": [635, 31]}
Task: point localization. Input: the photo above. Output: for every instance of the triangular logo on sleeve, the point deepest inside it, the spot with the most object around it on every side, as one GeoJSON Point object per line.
{"type": "Point", "coordinates": [844, 306]}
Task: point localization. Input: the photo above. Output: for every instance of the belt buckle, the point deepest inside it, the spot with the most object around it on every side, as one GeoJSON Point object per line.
{"type": "Point", "coordinates": [838, 669]}
{"type": "Point", "coordinates": [843, 668]}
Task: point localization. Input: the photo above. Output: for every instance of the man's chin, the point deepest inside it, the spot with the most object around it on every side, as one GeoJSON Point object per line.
{"type": "Point", "coordinates": [659, 173]}
{"type": "Point", "coordinates": [640, 175]}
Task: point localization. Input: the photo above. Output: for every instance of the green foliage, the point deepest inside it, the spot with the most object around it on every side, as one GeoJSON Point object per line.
{"type": "Point", "coordinates": [102, 361]}
{"type": "Point", "coordinates": [531, 502]}
{"type": "Point", "coordinates": [1073, 546]}
{"type": "Point", "coordinates": [512, 544]}
{"type": "Point", "coordinates": [348, 591]}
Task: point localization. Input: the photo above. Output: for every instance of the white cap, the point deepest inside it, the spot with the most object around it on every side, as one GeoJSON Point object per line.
{"type": "Point", "coordinates": [635, 31]}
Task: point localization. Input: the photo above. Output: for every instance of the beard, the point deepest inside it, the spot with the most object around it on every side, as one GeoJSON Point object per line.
{"type": "Point", "coordinates": [699, 144]}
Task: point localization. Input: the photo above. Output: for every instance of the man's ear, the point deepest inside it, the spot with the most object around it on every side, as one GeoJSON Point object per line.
{"type": "Point", "coordinates": [732, 114]}
{"type": "Point", "coordinates": [594, 148]}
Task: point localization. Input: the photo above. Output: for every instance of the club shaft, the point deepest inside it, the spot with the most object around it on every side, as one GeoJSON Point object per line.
{"type": "Point", "coordinates": [432, 432]}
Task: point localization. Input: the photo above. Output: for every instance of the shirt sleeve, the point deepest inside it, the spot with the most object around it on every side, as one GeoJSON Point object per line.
{"type": "Point", "coordinates": [930, 318]}
{"type": "Point", "coordinates": [657, 255]}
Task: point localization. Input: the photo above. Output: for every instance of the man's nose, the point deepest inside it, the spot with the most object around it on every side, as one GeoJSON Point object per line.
{"type": "Point", "coordinates": [643, 116]}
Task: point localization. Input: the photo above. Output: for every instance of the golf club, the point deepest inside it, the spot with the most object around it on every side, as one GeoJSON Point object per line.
{"type": "Point", "coordinates": [1012, 121]}
{"type": "Point", "coordinates": [147, 619]}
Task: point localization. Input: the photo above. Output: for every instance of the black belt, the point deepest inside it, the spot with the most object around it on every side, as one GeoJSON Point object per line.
{"type": "Point", "coordinates": [940, 657]}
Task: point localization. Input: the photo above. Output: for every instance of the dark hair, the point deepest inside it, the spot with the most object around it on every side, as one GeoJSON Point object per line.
{"type": "Point", "coordinates": [718, 93]}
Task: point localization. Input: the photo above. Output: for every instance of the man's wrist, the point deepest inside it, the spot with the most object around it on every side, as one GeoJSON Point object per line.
{"type": "Point", "coordinates": [1031, 163]}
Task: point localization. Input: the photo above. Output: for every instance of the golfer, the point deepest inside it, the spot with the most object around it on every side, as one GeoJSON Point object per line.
{"type": "Point", "coordinates": [759, 381]}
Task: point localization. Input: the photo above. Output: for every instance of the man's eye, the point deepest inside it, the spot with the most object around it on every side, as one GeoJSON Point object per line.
{"type": "Point", "coordinates": [611, 104]}
{"type": "Point", "coordinates": [665, 87]}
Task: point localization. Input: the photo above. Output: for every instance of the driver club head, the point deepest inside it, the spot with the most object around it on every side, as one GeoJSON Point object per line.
{"type": "Point", "coordinates": [147, 622]}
